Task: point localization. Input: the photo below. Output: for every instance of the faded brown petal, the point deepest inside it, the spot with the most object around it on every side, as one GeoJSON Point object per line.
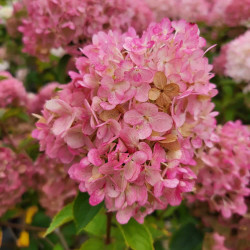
{"type": "Point", "coordinates": [172, 146]}
{"type": "Point", "coordinates": [153, 94]}
{"type": "Point", "coordinates": [172, 90]}
{"type": "Point", "coordinates": [186, 130]}
{"type": "Point", "coordinates": [160, 80]}
{"type": "Point", "coordinates": [203, 97]}
{"type": "Point", "coordinates": [109, 114]}
{"type": "Point", "coordinates": [163, 101]}
{"type": "Point", "coordinates": [169, 138]}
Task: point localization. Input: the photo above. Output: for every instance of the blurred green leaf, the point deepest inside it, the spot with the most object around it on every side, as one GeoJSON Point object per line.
{"type": "Point", "coordinates": [188, 237]}
{"type": "Point", "coordinates": [61, 69]}
{"type": "Point", "coordinates": [40, 219]}
{"type": "Point", "coordinates": [58, 247]}
{"type": "Point", "coordinates": [137, 236]}
{"type": "Point", "coordinates": [64, 216]}
{"type": "Point", "coordinates": [93, 244]}
{"type": "Point", "coordinates": [83, 212]}
{"type": "Point", "coordinates": [10, 214]}
{"type": "Point", "coordinates": [97, 226]}
{"type": "Point", "coordinates": [14, 112]}
{"type": "Point", "coordinates": [69, 232]}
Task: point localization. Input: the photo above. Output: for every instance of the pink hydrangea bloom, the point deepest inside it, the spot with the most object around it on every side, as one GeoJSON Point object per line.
{"type": "Point", "coordinates": [69, 23]}
{"type": "Point", "coordinates": [190, 10]}
{"type": "Point", "coordinates": [223, 181]}
{"type": "Point", "coordinates": [15, 177]}
{"type": "Point", "coordinates": [233, 60]}
{"type": "Point", "coordinates": [54, 187]}
{"type": "Point", "coordinates": [238, 13]}
{"type": "Point", "coordinates": [12, 91]}
{"type": "Point", "coordinates": [214, 12]}
{"type": "Point", "coordinates": [36, 101]}
{"type": "Point", "coordinates": [134, 117]}
{"type": "Point", "coordinates": [238, 58]}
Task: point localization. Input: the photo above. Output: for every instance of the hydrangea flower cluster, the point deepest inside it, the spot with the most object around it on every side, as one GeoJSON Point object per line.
{"type": "Point", "coordinates": [238, 13]}
{"type": "Point", "coordinates": [214, 12]}
{"type": "Point", "coordinates": [68, 23]}
{"type": "Point", "coordinates": [235, 56]}
{"type": "Point", "coordinates": [229, 162]}
{"type": "Point", "coordinates": [15, 177]}
{"type": "Point", "coordinates": [12, 91]}
{"type": "Point", "coordinates": [133, 118]}
{"type": "Point", "coordinates": [190, 10]}
{"type": "Point", "coordinates": [53, 185]}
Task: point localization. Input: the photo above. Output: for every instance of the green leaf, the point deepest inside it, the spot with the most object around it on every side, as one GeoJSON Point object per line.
{"type": "Point", "coordinates": [97, 226]}
{"type": "Point", "coordinates": [136, 236]}
{"type": "Point", "coordinates": [99, 243]}
{"type": "Point", "coordinates": [57, 247]}
{"type": "Point", "coordinates": [188, 237]}
{"type": "Point", "coordinates": [14, 112]}
{"type": "Point", "coordinates": [61, 69]}
{"type": "Point", "coordinates": [93, 244]}
{"type": "Point", "coordinates": [10, 214]}
{"type": "Point", "coordinates": [83, 212]}
{"type": "Point", "coordinates": [64, 216]}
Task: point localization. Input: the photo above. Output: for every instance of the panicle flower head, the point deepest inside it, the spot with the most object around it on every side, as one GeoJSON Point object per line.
{"type": "Point", "coordinates": [238, 58]}
{"type": "Point", "coordinates": [12, 91]}
{"type": "Point", "coordinates": [133, 118]}
{"type": "Point", "coordinates": [214, 12]}
{"type": "Point", "coordinates": [224, 178]}
{"type": "Point", "coordinates": [238, 13]}
{"type": "Point", "coordinates": [54, 187]}
{"type": "Point", "coordinates": [233, 60]}
{"type": "Point", "coordinates": [190, 10]}
{"type": "Point", "coordinates": [16, 172]}
{"type": "Point", "coordinates": [69, 23]}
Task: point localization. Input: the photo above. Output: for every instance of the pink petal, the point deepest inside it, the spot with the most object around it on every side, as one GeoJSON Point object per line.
{"type": "Point", "coordinates": [62, 124]}
{"type": "Point", "coordinates": [171, 183]}
{"type": "Point", "coordinates": [64, 155]}
{"type": "Point", "coordinates": [147, 109]}
{"type": "Point", "coordinates": [97, 197]}
{"type": "Point", "coordinates": [131, 195]}
{"type": "Point", "coordinates": [142, 93]}
{"type": "Point", "coordinates": [94, 157]}
{"type": "Point", "coordinates": [139, 157]}
{"type": "Point", "coordinates": [119, 201]}
{"type": "Point", "coordinates": [174, 197]}
{"type": "Point", "coordinates": [132, 117]}
{"type": "Point", "coordinates": [131, 171]}
{"type": "Point", "coordinates": [74, 138]}
{"type": "Point", "coordinates": [144, 130]}
{"type": "Point", "coordinates": [124, 215]}
{"type": "Point", "coordinates": [161, 122]}
{"type": "Point", "coordinates": [57, 106]}
{"type": "Point", "coordinates": [130, 138]}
